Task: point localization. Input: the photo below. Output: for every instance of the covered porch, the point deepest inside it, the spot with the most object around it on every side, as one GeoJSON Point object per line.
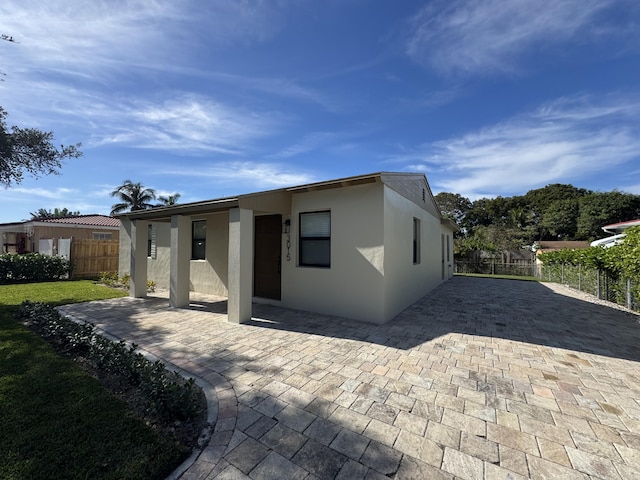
{"type": "Point", "coordinates": [243, 243]}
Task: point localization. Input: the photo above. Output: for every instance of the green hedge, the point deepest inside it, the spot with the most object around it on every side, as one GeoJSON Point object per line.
{"type": "Point", "coordinates": [32, 267]}
{"type": "Point", "coordinates": [617, 263]}
{"type": "Point", "coordinates": [167, 394]}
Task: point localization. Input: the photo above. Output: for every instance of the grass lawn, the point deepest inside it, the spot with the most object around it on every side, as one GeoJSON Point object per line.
{"type": "Point", "coordinates": [56, 422]}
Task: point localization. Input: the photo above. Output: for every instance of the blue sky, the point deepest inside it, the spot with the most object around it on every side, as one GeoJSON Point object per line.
{"type": "Point", "coordinates": [217, 98]}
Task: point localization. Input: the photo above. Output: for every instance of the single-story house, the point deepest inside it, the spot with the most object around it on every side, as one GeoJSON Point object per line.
{"type": "Point", "coordinates": [363, 247]}
{"type": "Point", "coordinates": [52, 236]}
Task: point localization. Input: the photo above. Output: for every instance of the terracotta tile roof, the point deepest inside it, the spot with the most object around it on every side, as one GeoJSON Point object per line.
{"type": "Point", "coordinates": [95, 220]}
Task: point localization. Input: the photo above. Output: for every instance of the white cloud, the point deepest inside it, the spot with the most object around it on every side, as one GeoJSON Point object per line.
{"type": "Point", "coordinates": [564, 140]}
{"type": "Point", "coordinates": [171, 121]}
{"type": "Point", "coordinates": [247, 175]}
{"type": "Point", "coordinates": [185, 123]}
{"type": "Point", "coordinates": [80, 36]}
{"type": "Point", "coordinates": [50, 194]}
{"type": "Point", "coordinates": [491, 36]}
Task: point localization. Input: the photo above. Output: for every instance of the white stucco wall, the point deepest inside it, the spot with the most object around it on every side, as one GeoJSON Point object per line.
{"type": "Point", "coordinates": [158, 267]}
{"type": "Point", "coordinates": [206, 276]}
{"type": "Point", "coordinates": [405, 282]}
{"type": "Point", "coordinates": [210, 275]}
{"type": "Point", "coordinates": [124, 248]}
{"type": "Point", "coordinates": [353, 286]}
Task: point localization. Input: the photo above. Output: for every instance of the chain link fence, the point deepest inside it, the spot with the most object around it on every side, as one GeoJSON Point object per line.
{"type": "Point", "coordinates": [489, 267]}
{"type": "Point", "coordinates": [593, 281]}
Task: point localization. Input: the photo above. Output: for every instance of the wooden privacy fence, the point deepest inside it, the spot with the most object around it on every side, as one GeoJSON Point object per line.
{"type": "Point", "coordinates": [91, 257]}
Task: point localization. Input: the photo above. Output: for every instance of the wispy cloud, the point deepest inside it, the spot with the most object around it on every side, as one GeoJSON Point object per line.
{"type": "Point", "coordinates": [172, 121]}
{"type": "Point", "coordinates": [492, 36]}
{"type": "Point", "coordinates": [564, 140]}
{"type": "Point", "coordinates": [240, 175]}
{"type": "Point", "coordinates": [310, 142]}
{"type": "Point", "coordinates": [101, 34]}
{"type": "Point", "coordinates": [185, 123]}
{"type": "Point", "coordinates": [50, 194]}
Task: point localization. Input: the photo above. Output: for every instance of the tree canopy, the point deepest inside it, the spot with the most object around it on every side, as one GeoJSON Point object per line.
{"type": "Point", "coordinates": [132, 196]}
{"type": "Point", "coordinates": [554, 212]}
{"type": "Point", "coordinates": [29, 150]}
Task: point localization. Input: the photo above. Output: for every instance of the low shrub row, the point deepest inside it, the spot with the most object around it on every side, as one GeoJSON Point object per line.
{"type": "Point", "coordinates": [168, 395]}
{"type": "Point", "coordinates": [32, 267]}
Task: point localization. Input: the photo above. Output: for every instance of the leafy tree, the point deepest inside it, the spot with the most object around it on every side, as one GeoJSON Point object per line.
{"type": "Point", "coordinates": [133, 196]}
{"type": "Point", "coordinates": [168, 200]}
{"type": "Point", "coordinates": [560, 218]}
{"type": "Point", "coordinates": [629, 255]}
{"type": "Point", "coordinates": [453, 206]}
{"type": "Point", "coordinates": [602, 208]}
{"type": "Point", "coordinates": [56, 213]}
{"type": "Point", "coordinates": [542, 203]}
{"type": "Point", "coordinates": [29, 150]}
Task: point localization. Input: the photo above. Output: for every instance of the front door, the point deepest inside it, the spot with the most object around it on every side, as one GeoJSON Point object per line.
{"type": "Point", "coordinates": [267, 256]}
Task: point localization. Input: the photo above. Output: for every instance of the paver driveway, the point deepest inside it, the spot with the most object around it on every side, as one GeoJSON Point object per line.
{"type": "Point", "coordinates": [481, 378]}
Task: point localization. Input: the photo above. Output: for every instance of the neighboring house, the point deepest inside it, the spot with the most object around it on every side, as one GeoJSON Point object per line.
{"type": "Point", "coordinates": [551, 245]}
{"type": "Point", "coordinates": [51, 235]}
{"type": "Point", "coordinates": [618, 230]}
{"type": "Point", "coordinates": [363, 247]}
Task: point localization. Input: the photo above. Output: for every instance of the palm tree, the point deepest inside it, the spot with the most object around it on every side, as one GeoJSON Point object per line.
{"type": "Point", "coordinates": [168, 201]}
{"type": "Point", "coordinates": [133, 196]}
{"type": "Point", "coordinates": [57, 213]}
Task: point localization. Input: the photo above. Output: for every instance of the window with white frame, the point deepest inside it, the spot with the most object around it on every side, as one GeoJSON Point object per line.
{"type": "Point", "coordinates": [315, 239]}
{"type": "Point", "coordinates": [198, 240]}
{"type": "Point", "coordinates": [416, 241]}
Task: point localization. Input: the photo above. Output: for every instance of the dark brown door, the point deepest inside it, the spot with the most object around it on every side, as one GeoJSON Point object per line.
{"type": "Point", "coordinates": [267, 260]}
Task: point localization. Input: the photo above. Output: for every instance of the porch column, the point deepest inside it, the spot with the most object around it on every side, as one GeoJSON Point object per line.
{"type": "Point", "coordinates": [179, 265]}
{"type": "Point", "coordinates": [138, 259]}
{"type": "Point", "coordinates": [240, 277]}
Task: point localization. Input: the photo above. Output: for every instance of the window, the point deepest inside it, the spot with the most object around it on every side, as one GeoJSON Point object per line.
{"type": "Point", "coordinates": [416, 241]}
{"type": "Point", "coordinates": [315, 239]}
{"type": "Point", "coordinates": [198, 239]}
{"type": "Point", "coordinates": [101, 235]}
{"type": "Point", "coordinates": [448, 249]}
{"type": "Point", "coordinates": [151, 242]}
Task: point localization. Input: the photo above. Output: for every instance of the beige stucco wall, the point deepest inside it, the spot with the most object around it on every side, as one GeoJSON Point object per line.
{"type": "Point", "coordinates": [353, 286]}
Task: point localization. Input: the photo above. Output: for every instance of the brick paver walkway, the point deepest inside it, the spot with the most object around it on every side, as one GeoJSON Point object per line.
{"type": "Point", "coordinates": [481, 379]}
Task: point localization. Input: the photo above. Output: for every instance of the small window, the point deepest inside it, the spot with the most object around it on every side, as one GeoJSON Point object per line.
{"type": "Point", "coordinates": [199, 240]}
{"type": "Point", "coordinates": [102, 235]}
{"type": "Point", "coordinates": [151, 242]}
{"type": "Point", "coordinates": [448, 249]}
{"type": "Point", "coordinates": [315, 239]}
{"type": "Point", "coordinates": [416, 241]}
